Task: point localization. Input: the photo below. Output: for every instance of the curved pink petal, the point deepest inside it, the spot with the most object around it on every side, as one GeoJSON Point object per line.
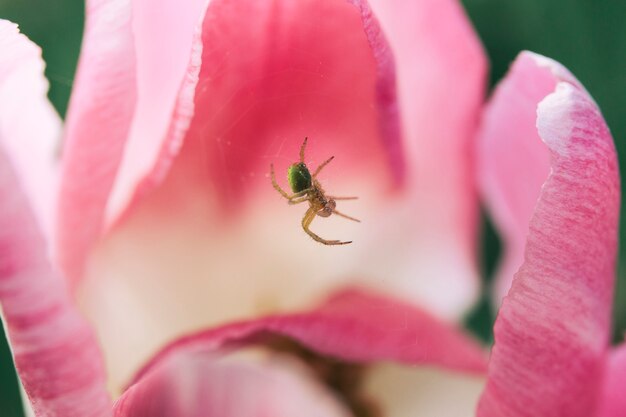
{"type": "Point", "coordinates": [97, 126]}
{"type": "Point", "coordinates": [613, 399]}
{"type": "Point", "coordinates": [29, 125]}
{"type": "Point", "coordinates": [293, 81]}
{"type": "Point", "coordinates": [509, 144]}
{"type": "Point", "coordinates": [254, 108]}
{"type": "Point", "coordinates": [453, 78]}
{"type": "Point", "coordinates": [551, 333]}
{"type": "Point", "coordinates": [133, 61]}
{"type": "Point", "coordinates": [353, 326]}
{"type": "Point", "coordinates": [220, 240]}
{"type": "Point", "coordinates": [166, 40]}
{"type": "Point", "coordinates": [441, 72]}
{"type": "Point", "coordinates": [200, 385]}
{"type": "Point", "coordinates": [55, 352]}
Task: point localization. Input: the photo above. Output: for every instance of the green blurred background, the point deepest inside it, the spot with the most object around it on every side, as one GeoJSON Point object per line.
{"type": "Point", "coordinates": [588, 36]}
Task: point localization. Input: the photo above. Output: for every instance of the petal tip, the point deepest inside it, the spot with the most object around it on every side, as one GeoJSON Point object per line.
{"type": "Point", "coordinates": [556, 68]}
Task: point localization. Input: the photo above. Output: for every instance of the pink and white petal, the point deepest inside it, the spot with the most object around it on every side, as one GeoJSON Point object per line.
{"type": "Point", "coordinates": [29, 125]}
{"type": "Point", "coordinates": [55, 351]}
{"type": "Point", "coordinates": [441, 78]}
{"type": "Point", "coordinates": [201, 385]}
{"type": "Point", "coordinates": [359, 328]}
{"type": "Point", "coordinates": [297, 78]}
{"type": "Point", "coordinates": [513, 162]}
{"type": "Point", "coordinates": [97, 126]}
{"type": "Point", "coordinates": [267, 109]}
{"type": "Point", "coordinates": [352, 326]}
{"type": "Point", "coordinates": [168, 52]}
{"type": "Point", "coordinates": [124, 95]}
{"type": "Point", "coordinates": [294, 79]}
{"type": "Point", "coordinates": [613, 403]}
{"type": "Point", "coordinates": [551, 334]}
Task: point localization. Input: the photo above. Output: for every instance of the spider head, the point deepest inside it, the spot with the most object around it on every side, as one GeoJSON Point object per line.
{"type": "Point", "coordinates": [299, 177]}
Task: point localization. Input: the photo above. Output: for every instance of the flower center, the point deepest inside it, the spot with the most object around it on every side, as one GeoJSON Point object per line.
{"type": "Point", "coordinates": [344, 379]}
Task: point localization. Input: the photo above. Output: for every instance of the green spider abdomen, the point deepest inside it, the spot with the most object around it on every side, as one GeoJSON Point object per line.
{"type": "Point", "coordinates": [299, 177]}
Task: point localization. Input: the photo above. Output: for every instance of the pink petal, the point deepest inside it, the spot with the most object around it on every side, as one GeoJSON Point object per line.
{"type": "Point", "coordinates": [552, 330]}
{"type": "Point", "coordinates": [613, 398]}
{"type": "Point", "coordinates": [441, 72]}
{"type": "Point", "coordinates": [97, 126]}
{"type": "Point", "coordinates": [55, 352]}
{"type": "Point", "coordinates": [222, 243]}
{"type": "Point", "coordinates": [29, 125]}
{"type": "Point", "coordinates": [293, 80]}
{"type": "Point", "coordinates": [353, 326]}
{"type": "Point", "coordinates": [509, 144]}
{"type": "Point", "coordinates": [133, 60]}
{"type": "Point", "coordinates": [197, 385]}
{"type": "Point", "coordinates": [168, 48]}
{"type": "Point", "coordinates": [249, 115]}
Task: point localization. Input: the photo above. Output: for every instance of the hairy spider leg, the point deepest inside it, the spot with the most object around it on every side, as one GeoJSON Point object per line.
{"type": "Point", "coordinates": [345, 216]}
{"type": "Point", "coordinates": [306, 222]}
{"type": "Point", "coordinates": [302, 149]}
{"type": "Point", "coordinates": [283, 192]}
{"type": "Point", "coordinates": [319, 168]}
{"type": "Point", "coordinates": [298, 200]}
{"type": "Point", "coordinates": [342, 198]}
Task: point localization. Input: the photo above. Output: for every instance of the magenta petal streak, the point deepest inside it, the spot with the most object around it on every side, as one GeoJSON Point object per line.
{"type": "Point", "coordinates": [55, 351]}
{"type": "Point", "coordinates": [551, 334]}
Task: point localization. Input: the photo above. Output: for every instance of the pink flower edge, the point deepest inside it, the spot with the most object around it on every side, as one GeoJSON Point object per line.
{"type": "Point", "coordinates": [56, 355]}
{"type": "Point", "coordinates": [353, 326]}
{"type": "Point", "coordinates": [134, 57]}
{"type": "Point", "coordinates": [30, 128]}
{"type": "Point", "coordinates": [98, 123]}
{"type": "Point", "coordinates": [192, 384]}
{"type": "Point", "coordinates": [551, 334]}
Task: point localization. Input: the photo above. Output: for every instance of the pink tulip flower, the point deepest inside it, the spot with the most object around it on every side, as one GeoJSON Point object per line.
{"type": "Point", "coordinates": [149, 268]}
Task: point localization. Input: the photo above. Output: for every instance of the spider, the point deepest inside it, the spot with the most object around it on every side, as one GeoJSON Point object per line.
{"type": "Point", "coordinates": [306, 187]}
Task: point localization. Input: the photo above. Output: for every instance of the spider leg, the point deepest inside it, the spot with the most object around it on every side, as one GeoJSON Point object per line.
{"type": "Point", "coordinates": [298, 200]}
{"type": "Point", "coordinates": [342, 198]}
{"type": "Point", "coordinates": [319, 168]}
{"type": "Point", "coordinates": [275, 184]}
{"type": "Point", "coordinates": [345, 216]}
{"type": "Point", "coordinates": [298, 196]}
{"type": "Point", "coordinates": [302, 149]}
{"type": "Point", "coordinates": [283, 192]}
{"type": "Point", "coordinates": [306, 222]}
